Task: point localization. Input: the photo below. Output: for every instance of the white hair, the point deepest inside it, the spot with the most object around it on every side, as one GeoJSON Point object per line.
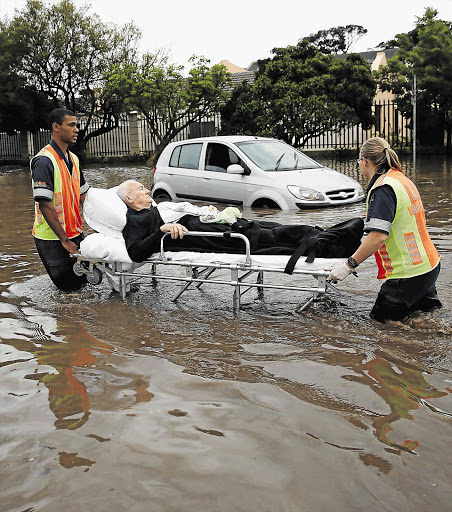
{"type": "Point", "coordinates": [125, 189]}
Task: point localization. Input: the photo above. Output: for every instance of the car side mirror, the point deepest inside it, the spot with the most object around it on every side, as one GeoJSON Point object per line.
{"type": "Point", "coordinates": [235, 169]}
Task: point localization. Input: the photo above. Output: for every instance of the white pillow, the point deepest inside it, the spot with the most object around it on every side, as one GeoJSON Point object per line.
{"type": "Point", "coordinates": [98, 245]}
{"type": "Point", "coordinates": [105, 211]}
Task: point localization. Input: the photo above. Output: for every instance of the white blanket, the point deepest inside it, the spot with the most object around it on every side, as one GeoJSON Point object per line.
{"type": "Point", "coordinates": [105, 212]}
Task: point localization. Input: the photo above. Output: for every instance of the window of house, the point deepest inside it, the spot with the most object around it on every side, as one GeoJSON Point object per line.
{"type": "Point", "coordinates": [187, 156]}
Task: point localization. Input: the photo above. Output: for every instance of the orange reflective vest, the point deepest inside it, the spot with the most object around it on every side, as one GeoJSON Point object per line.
{"type": "Point", "coordinates": [408, 251]}
{"type": "Point", "coordinates": [66, 197]}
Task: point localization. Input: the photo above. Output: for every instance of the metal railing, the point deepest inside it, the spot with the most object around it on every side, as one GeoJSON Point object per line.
{"type": "Point", "coordinates": [389, 123]}
{"type": "Point", "coordinates": [206, 127]}
{"type": "Point", "coordinates": [113, 143]}
{"type": "Point", "coordinates": [9, 146]}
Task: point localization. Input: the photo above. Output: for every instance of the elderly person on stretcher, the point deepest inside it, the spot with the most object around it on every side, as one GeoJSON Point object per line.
{"type": "Point", "coordinates": [145, 228]}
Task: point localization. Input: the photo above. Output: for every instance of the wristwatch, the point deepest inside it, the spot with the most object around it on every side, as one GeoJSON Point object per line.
{"type": "Point", "coordinates": [351, 262]}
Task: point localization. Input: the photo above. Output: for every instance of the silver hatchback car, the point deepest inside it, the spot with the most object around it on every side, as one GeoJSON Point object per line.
{"type": "Point", "coordinates": [249, 171]}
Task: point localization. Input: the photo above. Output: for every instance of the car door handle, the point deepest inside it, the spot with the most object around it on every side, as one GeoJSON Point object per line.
{"type": "Point", "coordinates": [207, 179]}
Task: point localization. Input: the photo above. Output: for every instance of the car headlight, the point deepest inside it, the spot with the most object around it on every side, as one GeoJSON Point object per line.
{"type": "Point", "coordinates": [307, 194]}
{"type": "Point", "coordinates": [360, 190]}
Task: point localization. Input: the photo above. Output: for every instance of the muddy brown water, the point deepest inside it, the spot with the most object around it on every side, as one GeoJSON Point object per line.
{"type": "Point", "coordinates": [146, 405]}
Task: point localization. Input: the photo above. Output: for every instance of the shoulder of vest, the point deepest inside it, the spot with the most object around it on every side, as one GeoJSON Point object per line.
{"type": "Point", "coordinates": [43, 151]}
{"type": "Point", "coordinates": [385, 179]}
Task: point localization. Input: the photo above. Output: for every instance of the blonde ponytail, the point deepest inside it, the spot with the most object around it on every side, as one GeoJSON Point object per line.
{"type": "Point", "coordinates": [379, 152]}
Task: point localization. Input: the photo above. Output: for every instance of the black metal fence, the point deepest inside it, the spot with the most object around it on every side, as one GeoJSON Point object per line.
{"type": "Point", "coordinates": [9, 146]}
{"type": "Point", "coordinates": [113, 143]}
{"type": "Point", "coordinates": [132, 136]}
{"type": "Point", "coordinates": [205, 128]}
{"type": "Point", "coordinates": [389, 123]}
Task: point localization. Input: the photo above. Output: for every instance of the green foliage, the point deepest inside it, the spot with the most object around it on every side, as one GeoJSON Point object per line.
{"type": "Point", "coordinates": [425, 52]}
{"type": "Point", "coordinates": [168, 100]}
{"type": "Point", "coordinates": [21, 106]}
{"type": "Point", "coordinates": [301, 93]}
{"type": "Point", "coordinates": [337, 39]}
{"type": "Point", "coordinates": [63, 52]}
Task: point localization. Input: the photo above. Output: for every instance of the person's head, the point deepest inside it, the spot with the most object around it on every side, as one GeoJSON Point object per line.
{"type": "Point", "coordinates": [63, 126]}
{"type": "Point", "coordinates": [378, 152]}
{"type": "Point", "coordinates": [135, 195]}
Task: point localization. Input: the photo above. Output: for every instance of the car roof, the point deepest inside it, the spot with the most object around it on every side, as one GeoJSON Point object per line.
{"type": "Point", "coordinates": [225, 138]}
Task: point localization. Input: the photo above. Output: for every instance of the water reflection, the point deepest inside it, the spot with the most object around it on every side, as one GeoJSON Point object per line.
{"type": "Point", "coordinates": [68, 398]}
{"type": "Point", "coordinates": [404, 390]}
{"type": "Point", "coordinates": [155, 399]}
{"type": "Point", "coordinates": [60, 348]}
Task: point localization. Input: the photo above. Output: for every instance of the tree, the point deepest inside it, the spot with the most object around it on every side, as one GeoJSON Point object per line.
{"type": "Point", "coordinates": [301, 93]}
{"type": "Point", "coordinates": [21, 106]}
{"type": "Point", "coordinates": [63, 52]}
{"type": "Point", "coordinates": [239, 115]}
{"type": "Point", "coordinates": [427, 53]}
{"type": "Point", "coordinates": [337, 40]}
{"type": "Point", "coordinates": [168, 100]}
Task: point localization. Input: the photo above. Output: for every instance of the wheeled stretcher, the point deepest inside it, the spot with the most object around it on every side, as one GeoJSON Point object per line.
{"type": "Point", "coordinates": [104, 253]}
{"type": "Point", "coordinates": [241, 272]}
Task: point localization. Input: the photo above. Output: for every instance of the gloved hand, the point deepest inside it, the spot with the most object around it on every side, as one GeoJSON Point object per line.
{"type": "Point", "coordinates": [339, 272]}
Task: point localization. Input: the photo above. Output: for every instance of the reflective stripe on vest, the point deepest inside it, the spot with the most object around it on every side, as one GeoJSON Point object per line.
{"type": "Point", "coordinates": [408, 250]}
{"type": "Point", "coordinates": [66, 198]}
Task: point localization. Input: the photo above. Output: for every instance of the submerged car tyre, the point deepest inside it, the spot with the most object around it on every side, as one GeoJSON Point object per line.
{"type": "Point", "coordinates": [266, 203]}
{"type": "Point", "coordinates": [161, 194]}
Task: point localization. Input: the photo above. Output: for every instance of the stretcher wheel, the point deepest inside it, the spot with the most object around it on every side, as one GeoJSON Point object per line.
{"type": "Point", "coordinates": [77, 270]}
{"type": "Point", "coordinates": [96, 277]}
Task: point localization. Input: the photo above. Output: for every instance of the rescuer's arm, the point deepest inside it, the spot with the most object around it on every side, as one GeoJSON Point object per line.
{"type": "Point", "coordinates": [51, 216]}
{"type": "Point", "coordinates": [373, 241]}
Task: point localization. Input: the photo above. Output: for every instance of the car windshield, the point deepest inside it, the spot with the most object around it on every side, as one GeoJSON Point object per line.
{"type": "Point", "coordinates": [272, 155]}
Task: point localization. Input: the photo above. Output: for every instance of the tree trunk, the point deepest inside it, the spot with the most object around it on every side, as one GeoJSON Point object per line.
{"type": "Point", "coordinates": [152, 160]}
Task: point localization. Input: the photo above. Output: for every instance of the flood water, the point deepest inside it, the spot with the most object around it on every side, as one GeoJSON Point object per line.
{"type": "Point", "coordinates": [145, 405]}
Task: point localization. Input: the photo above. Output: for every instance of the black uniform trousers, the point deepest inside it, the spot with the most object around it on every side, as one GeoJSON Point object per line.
{"type": "Point", "coordinates": [398, 298]}
{"type": "Point", "coordinates": [59, 265]}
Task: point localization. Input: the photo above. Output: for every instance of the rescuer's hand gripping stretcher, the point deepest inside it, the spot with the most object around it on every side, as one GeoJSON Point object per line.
{"type": "Point", "coordinates": [104, 253]}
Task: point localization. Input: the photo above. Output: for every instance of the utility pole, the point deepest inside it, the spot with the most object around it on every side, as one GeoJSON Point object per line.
{"type": "Point", "coordinates": [414, 126]}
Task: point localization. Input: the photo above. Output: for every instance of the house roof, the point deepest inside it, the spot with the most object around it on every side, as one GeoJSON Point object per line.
{"type": "Point", "coordinates": [372, 55]}
{"type": "Point", "coordinates": [232, 68]}
{"type": "Point", "coordinates": [238, 74]}
{"type": "Point", "coordinates": [238, 78]}
{"type": "Point", "coordinates": [375, 58]}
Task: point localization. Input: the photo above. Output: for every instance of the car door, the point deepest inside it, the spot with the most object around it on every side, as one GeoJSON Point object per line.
{"type": "Point", "coordinates": [216, 185]}
{"type": "Point", "coordinates": [184, 170]}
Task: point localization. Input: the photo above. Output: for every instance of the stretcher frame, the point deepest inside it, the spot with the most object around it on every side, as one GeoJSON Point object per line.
{"type": "Point", "coordinates": [200, 273]}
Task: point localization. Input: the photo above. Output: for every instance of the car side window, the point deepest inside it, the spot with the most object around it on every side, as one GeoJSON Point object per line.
{"type": "Point", "coordinates": [186, 155]}
{"type": "Point", "coordinates": [219, 157]}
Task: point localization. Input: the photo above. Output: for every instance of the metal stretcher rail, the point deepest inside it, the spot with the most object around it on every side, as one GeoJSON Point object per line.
{"type": "Point", "coordinates": [200, 273]}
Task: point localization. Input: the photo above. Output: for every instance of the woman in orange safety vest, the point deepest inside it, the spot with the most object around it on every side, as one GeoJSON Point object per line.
{"type": "Point", "coordinates": [407, 260]}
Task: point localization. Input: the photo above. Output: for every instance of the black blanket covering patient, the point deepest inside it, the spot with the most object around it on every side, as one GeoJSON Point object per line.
{"type": "Point", "coordinates": [143, 236]}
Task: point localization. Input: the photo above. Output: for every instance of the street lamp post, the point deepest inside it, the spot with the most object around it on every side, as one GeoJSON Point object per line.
{"type": "Point", "coordinates": [414, 126]}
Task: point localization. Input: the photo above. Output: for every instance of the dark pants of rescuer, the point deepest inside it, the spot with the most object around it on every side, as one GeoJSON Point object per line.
{"type": "Point", "coordinates": [59, 265]}
{"type": "Point", "coordinates": [399, 298]}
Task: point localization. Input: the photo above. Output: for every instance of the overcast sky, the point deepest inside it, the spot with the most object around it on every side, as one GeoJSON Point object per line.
{"type": "Point", "coordinates": [243, 31]}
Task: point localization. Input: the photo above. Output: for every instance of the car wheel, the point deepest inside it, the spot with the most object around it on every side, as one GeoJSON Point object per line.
{"type": "Point", "coordinates": [266, 203]}
{"type": "Point", "coordinates": [161, 194]}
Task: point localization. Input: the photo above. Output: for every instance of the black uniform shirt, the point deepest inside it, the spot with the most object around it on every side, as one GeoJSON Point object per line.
{"type": "Point", "coordinates": [382, 207]}
{"type": "Point", "coordinates": [42, 173]}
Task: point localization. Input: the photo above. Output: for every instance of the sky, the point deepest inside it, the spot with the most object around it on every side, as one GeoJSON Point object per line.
{"type": "Point", "coordinates": [243, 31]}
